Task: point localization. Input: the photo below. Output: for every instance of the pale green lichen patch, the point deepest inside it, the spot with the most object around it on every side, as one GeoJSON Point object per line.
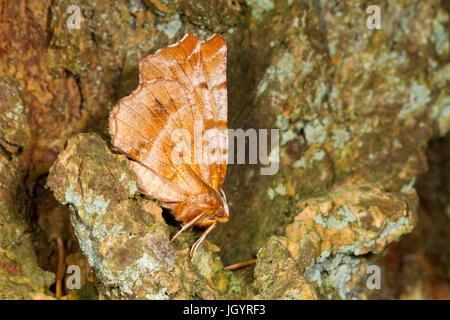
{"type": "Point", "coordinates": [88, 206]}
{"type": "Point", "coordinates": [96, 204]}
{"type": "Point", "coordinates": [11, 116]}
{"type": "Point", "coordinates": [133, 186]}
{"type": "Point", "coordinates": [287, 134]}
{"type": "Point", "coordinates": [305, 163]}
{"type": "Point", "coordinates": [259, 7]}
{"type": "Point", "coordinates": [72, 197]}
{"type": "Point", "coordinates": [419, 97]}
{"type": "Point", "coordinates": [333, 222]}
{"type": "Point", "coordinates": [340, 137]}
{"type": "Point", "coordinates": [284, 68]}
{"type": "Point", "coordinates": [440, 35]}
{"type": "Point", "coordinates": [281, 72]}
{"type": "Point", "coordinates": [160, 295]}
{"type": "Point", "coordinates": [281, 190]}
{"type": "Point", "coordinates": [271, 193]}
{"type": "Point", "coordinates": [315, 132]}
{"type": "Point", "coordinates": [322, 90]}
{"type": "Point", "coordinates": [333, 271]}
{"type": "Point", "coordinates": [395, 227]}
{"type": "Point", "coordinates": [170, 29]}
{"type": "Point", "coordinates": [129, 276]}
{"type": "Point", "coordinates": [345, 212]}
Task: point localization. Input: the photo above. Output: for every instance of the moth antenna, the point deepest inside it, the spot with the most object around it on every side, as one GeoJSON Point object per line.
{"type": "Point", "coordinates": [190, 223]}
{"type": "Point", "coordinates": [201, 239]}
{"type": "Point", "coordinates": [223, 195]}
{"type": "Point", "coordinates": [225, 204]}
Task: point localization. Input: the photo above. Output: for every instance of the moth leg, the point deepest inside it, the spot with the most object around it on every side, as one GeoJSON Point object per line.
{"type": "Point", "coordinates": [200, 240]}
{"type": "Point", "coordinates": [187, 225]}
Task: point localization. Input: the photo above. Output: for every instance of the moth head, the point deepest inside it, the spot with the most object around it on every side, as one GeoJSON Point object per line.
{"type": "Point", "coordinates": [212, 206]}
{"type": "Point", "coordinates": [223, 213]}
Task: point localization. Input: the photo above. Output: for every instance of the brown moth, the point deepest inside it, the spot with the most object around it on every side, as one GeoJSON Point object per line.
{"type": "Point", "coordinates": [173, 127]}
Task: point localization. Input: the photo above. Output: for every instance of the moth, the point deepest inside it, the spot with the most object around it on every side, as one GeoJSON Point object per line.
{"type": "Point", "coordinates": [173, 128]}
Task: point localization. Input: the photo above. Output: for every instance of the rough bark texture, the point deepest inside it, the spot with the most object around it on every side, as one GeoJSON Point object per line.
{"type": "Point", "coordinates": [363, 116]}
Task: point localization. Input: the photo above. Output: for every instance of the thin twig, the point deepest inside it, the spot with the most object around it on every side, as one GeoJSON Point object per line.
{"type": "Point", "coordinates": [60, 270]}
{"type": "Point", "coordinates": [240, 265]}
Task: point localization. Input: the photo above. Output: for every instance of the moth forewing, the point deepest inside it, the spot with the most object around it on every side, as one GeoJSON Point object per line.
{"type": "Point", "coordinates": [173, 128]}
